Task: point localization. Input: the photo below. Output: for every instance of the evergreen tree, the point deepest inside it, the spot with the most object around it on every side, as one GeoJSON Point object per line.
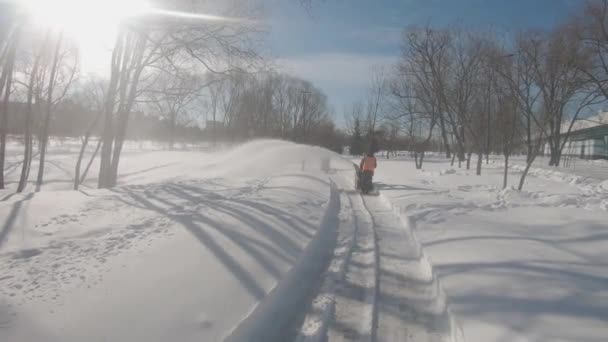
{"type": "Point", "coordinates": [356, 145]}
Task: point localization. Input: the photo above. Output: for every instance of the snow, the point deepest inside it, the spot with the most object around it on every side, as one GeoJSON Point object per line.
{"type": "Point", "coordinates": [379, 285]}
{"type": "Point", "coordinates": [186, 251]}
{"type": "Point", "coordinates": [601, 118]}
{"type": "Point", "coordinates": [516, 266]}
{"type": "Point", "coordinates": [263, 242]}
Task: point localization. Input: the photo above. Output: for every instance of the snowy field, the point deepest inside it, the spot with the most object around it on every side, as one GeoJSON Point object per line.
{"type": "Point", "coordinates": [267, 242]}
{"type": "Point", "coordinates": [527, 266]}
{"type": "Point", "coordinates": [184, 252]}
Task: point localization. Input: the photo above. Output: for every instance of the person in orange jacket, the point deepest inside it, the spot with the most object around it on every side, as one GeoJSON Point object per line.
{"type": "Point", "coordinates": [367, 166]}
{"type": "Point", "coordinates": [368, 163]}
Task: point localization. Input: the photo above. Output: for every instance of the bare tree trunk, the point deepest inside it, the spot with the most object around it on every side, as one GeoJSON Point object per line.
{"type": "Point", "coordinates": [87, 136]}
{"type": "Point", "coordinates": [453, 159]}
{"type": "Point", "coordinates": [421, 160]}
{"type": "Point", "coordinates": [522, 180]}
{"type": "Point", "coordinates": [106, 140]}
{"type": "Point", "coordinates": [444, 136]}
{"type": "Point", "coordinates": [7, 71]}
{"type": "Point", "coordinates": [77, 168]}
{"type": "Point", "coordinates": [469, 160]}
{"type": "Point", "coordinates": [44, 136]}
{"type": "Point", "coordinates": [214, 124]}
{"type": "Point", "coordinates": [172, 132]}
{"type": "Point", "coordinates": [479, 162]}
{"type": "Point", "coordinates": [27, 153]}
{"type": "Point", "coordinates": [506, 172]}
{"type": "Point", "coordinates": [107, 136]}
{"type": "Point", "coordinates": [27, 149]}
{"type": "Point", "coordinates": [529, 161]}
{"type": "Point", "coordinates": [86, 170]}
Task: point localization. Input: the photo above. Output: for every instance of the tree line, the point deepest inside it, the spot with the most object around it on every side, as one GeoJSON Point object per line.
{"type": "Point", "coordinates": [166, 77]}
{"type": "Point", "coordinates": [475, 93]}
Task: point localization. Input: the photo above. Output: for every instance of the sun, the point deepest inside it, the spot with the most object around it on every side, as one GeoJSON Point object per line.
{"type": "Point", "coordinates": [90, 24]}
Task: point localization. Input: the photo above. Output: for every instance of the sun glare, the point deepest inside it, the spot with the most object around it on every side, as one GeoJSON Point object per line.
{"type": "Point", "coordinates": [91, 24]}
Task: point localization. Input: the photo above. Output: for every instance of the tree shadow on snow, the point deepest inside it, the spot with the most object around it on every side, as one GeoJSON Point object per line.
{"type": "Point", "coordinates": [532, 289]}
{"type": "Point", "coordinates": [399, 187]}
{"type": "Point", "coordinates": [262, 231]}
{"type": "Point", "coordinates": [12, 217]}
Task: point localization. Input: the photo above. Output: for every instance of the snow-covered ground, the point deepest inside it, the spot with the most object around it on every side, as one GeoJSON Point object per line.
{"type": "Point", "coordinates": [264, 242]}
{"type": "Point", "coordinates": [527, 266]}
{"type": "Point", "coordinates": [184, 249]}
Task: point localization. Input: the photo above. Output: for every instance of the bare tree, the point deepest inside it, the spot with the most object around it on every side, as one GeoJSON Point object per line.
{"type": "Point", "coordinates": [564, 87]}
{"type": "Point", "coordinates": [172, 95]}
{"type": "Point", "coordinates": [33, 78]}
{"type": "Point", "coordinates": [592, 29]}
{"type": "Point", "coordinates": [213, 47]}
{"type": "Point", "coordinates": [63, 69]}
{"type": "Point", "coordinates": [92, 96]}
{"type": "Point", "coordinates": [10, 44]}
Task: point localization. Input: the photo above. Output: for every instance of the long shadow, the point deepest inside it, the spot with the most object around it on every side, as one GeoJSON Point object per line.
{"type": "Point", "coordinates": [250, 220]}
{"type": "Point", "coordinates": [558, 244]}
{"type": "Point", "coordinates": [237, 237]}
{"type": "Point", "coordinates": [173, 196]}
{"type": "Point", "coordinates": [9, 223]}
{"type": "Point", "coordinates": [593, 237]}
{"type": "Point", "coordinates": [282, 216]}
{"type": "Point", "coordinates": [383, 186]}
{"type": "Point", "coordinates": [313, 178]}
{"type": "Point", "coordinates": [7, 197]}
{"type": "Point", "coordinates": [569, 305]}
{"type": "Point", "coordinates": [61, 168]}
{"type": "Point", "coordinates": [553, 273]}
{"type": "Point", "coordinates": [250, 284]}
{"type": "Point", "coordinates": [138, 172]}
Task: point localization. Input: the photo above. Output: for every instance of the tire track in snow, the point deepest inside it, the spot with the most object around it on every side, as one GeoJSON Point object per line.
{"type": "Point", "coordinates": [379, 285]}
{"type": "Point", "coordinates": [356, 294]}
{"type": "Point", "coordinates": [345, 308]}
{"type": "Point", "coordinates": [279, 310]}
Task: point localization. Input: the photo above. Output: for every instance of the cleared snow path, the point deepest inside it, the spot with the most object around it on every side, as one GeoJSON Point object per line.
{"type": "Point", "coordinates": [411, 303]}
{"type": "Point", "coordinates": [356, 293]}
{"type": "Point", "coordinates": [379, 286]}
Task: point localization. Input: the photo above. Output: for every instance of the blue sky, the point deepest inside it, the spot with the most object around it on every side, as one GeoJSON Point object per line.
{"type": "Point", "coordinates": [338, 43]}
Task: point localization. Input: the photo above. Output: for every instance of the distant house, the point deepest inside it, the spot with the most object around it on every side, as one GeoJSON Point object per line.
{"type": "Point", "coordinates": [588, 138]}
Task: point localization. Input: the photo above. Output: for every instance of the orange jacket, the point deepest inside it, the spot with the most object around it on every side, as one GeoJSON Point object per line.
{"type": "Point", "coordinates": [368, 164]}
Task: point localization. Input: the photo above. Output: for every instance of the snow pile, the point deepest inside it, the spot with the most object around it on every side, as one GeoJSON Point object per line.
{"type": "Point", "coordinates": [553, 175]}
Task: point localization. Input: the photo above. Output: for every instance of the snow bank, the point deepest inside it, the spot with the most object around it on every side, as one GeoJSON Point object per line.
{"type": "Point", "coordinates": [439, 300]}
{"type": "Point", "coordinates": [551, 174]}
{"type": "Point", "coordinates": [273, 318]}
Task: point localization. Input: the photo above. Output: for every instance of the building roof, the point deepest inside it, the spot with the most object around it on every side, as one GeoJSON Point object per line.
{"type": "Point", "coordinates": [589, 122]}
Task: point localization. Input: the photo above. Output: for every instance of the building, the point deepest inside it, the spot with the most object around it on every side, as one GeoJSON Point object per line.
{"type": "Point", "coordinates": [588, 138]}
